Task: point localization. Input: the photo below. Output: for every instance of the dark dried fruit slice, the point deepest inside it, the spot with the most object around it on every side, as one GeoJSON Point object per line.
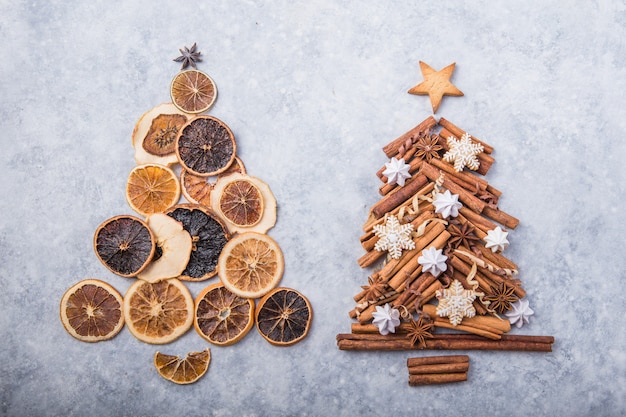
{"type": "Point", "coordinates": [222, 317]}
{"type": "Point", "coordinates": [124, 244]}
{"type": "Point", "coordinates": [205, 146]}
{"type": "Point", "coordinates": [154, 136]}
{"type": "Point", "coordinates": [183, 370]}
{"type": "Point", "coordinates": [208, 234]}
{"type": "Point", "coordinates": [158, 312]}
{"type": "Point", "coordinates": [193, 91]}
{"type": "Point", "coordinates": [197, 189]}
{"type": "Point", "coordinates": [283, 316]}
{"type": "Point", "coordinates": [91, 311]}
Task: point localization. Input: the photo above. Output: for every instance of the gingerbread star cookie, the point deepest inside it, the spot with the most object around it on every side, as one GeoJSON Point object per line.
{"type": "Point", "coordinates": [436, 84]}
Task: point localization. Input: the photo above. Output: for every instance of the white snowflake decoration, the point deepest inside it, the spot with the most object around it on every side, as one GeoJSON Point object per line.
{"type": "Point", "coordinates": [447, 204]}
{"type": "Point", "coordinates": [455, 303]}
{"type": "Point", "coordinates": [463, 152]}
{"type": "Point", "coordinates": [397, 171]}
{"type": "Point", "coordinates": [433, 260]}
{"type": "Point", "coordinates": [496, 239]}
{"type": "Point", "coordinates": [393, 237]}
{"type": "Point", "coordinates": [386, 319]}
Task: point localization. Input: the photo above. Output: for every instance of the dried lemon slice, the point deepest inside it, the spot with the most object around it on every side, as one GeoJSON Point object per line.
{"type": "Point", "coordinates": [193, 91]}
{"type": "Point", "coordinates": [205, 146]}
{"type": "Point", "coordinates": [173, 248]}
{"type": "Point", "coordinates": [208, 235]}
{"type": "Point", "coordinates": [158, 312]}
{"type": "Point", "coordinates": [154, 136]}
{"type": "Point", "coordinates": [183, 370]}
{"type": "Point", "coordinates": [251, 264]}
{"type": "Point", "coordinates": [197, 189]}
{"type": "Point", "coordinates": [284, 316]}
{"type": "Point", "coordinates": [246, 203]}
{"type": "Point", "coordinates": [124, 244]}
{"type": "Point", "coordinates": [91, 311]}
{"type": "Point", "coordinates": [222, 317]}
{"type": "Point", "coordinates": [152, 188]}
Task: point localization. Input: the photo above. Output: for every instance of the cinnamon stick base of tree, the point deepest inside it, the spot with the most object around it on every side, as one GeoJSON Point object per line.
{"type": "Point", "coordinates": [443, 369]}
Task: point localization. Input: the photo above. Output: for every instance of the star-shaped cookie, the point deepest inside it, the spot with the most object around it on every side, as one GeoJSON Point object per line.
{"type": "Point", "coordinates": [436, 84]}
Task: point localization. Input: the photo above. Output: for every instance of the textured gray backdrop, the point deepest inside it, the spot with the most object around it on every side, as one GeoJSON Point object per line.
{"type": "Point", "coordinates": [312, 91]}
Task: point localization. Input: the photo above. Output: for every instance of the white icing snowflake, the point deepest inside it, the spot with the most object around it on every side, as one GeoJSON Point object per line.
{"type": "Point", "coordinates": [519, 313]}
{"type": "Point", "coordinates": [455, 302]}
{"type": "Point", "coordinates": [397, 171]}
{"type": "Point", "coordinates": [393, 237]}
{"type": "Point", "coordinates": [433, 260]}
{"type": "Point", "coordinates": [447, 204]}
{"type": "Point", "coordinates": [463, 152]}
{"type": "Point", "coordinates": [496, 239]}
{"type": "Point", "coordinates": [386, 319]}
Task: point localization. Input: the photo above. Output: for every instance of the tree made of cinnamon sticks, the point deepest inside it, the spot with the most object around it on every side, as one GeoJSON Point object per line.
{"type": "Point", "coordinates": [434, 243]}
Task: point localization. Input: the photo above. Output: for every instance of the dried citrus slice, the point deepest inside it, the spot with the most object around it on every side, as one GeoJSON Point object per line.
{"type": "Point", "coordinates": [173, 248]}
{"type": "Point", "coordinates": [91, 311]}
{"type": "Point", "coordinates": [197, 189]}
{"type": "Point", "coordinates": [251, 264]}
{"type": "Point", "coordinates": [284, 316]}
{"type": "Point", "coordinates": [222, 317]}
{"type": "Point", "coordinates": [155, 134]}
{"type": "Point", "coordinates": [183, 370]}
{"type": "Point", "coordinates": [124, 244]}
{"type": "Point", "coordinates": [208, 236]}
{"type": "Point", "coordinates": [158, 312]}
{"type": "Point", "coordinates": [193, 91]}
{"type": "Point", "coordinates": [152, 188]}
{"type": "Point", "coordinates": [205, 146]}
{"type": "Point", "coordinates": [246, 203]}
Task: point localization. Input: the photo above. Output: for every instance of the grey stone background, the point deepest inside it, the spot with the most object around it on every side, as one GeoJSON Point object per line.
{"type": "Point", "coordinates": [312, 91]}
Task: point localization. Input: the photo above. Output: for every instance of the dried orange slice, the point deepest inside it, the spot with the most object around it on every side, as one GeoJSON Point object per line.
{"type": "Point", "coordinates": [154, 136]}
{"type": "Point", "coordinates": [193, 91]}
{"type": "Point", "coordinates": [197, 189]}
{"type": "Point", "coordinates": [205, 146]}
{"type": "Point", "coordinates": [222, 317]}
{"type": "Point", "coordinates": [208, 236]}
{"type": "Point", "coordinates": [284, 316]}
{"type": "Point", "coordinates": [246, 203]}
{"type": "Point", "coordinates": [183, 370]}
{"type": "Point", "coordinates": [158, 312]}
{"type": "Point", "coordinates": [124, 244]}
{"type": "Point", "coordinates": [152, 188]}
{"type": "Point", "coordinates": [91, 311]}
{"type": "Point", "coordinates": [251, 264]}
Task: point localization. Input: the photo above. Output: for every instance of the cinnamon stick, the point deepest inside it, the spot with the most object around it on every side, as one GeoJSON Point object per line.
{"type": "Point", "coordinates": [392, 148]}
{"type": "Point", "coordinates": [439, 368]}
{"type": "Point", "coordinates": [459, 132]}
{"type": "Point", "coordinates": [488, 322]}
{"type": "Point", "coordinates": [501, 217]}
{"type": "Point", "coordinates": [464, 196]}
{"type": "Point", "coordinates": [432, 379]}
{"type": "Point", "coordinates": [431, 360]}
{"type": "Point", "coordinates": [394, 199]}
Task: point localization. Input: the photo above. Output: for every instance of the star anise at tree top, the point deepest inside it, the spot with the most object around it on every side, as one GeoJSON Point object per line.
{"type": "Point", "coordinates": [428, 147]}
{"type": "Point", "coordinates": [189, 56]}
{"type": "Point", "coordinates": [501, 297]}
{"type": "Point", "coordinates": [461, 235]}
{"type": "Point", "coordinates": [375, 289]}
{"type": "Point", "coordinates": [420, 330]}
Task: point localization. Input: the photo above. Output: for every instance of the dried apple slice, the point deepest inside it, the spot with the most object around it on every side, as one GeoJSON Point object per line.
{"type": "Point", "coordinates": [173, 248]}
{"type": "Point", "coordinates": [197, 189]}
{"type": "Point", "coordinates": [155, 134]}
{"type": "Point", "coordinates": [245, 203]}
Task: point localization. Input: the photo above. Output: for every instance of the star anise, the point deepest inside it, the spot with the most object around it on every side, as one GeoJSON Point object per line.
{"type": "Point", "coordinates": [375, 289]}
{"type": "Point", "coordinates": [501, 297]}
{"type": "Point", "coordinates": [461, 235]}
{"type": "Point", "coordinates": [189, 56]}
{"type": "Point", "coordinates": [420, 330]}
{"type": "Point", "coordinates": [428, 147]}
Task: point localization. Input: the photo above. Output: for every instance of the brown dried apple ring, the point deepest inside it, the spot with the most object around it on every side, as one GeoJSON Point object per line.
{"type": "Point", "coordinates": [197, 189]}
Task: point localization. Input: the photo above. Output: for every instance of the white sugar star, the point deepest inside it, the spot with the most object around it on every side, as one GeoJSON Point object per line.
{"type": "Point", "coordinates": [455, 302]}
{"type": "Point", "coordinates": [496, 239]}
{"type": "Point", "coordinates": [397, 171]}
{"type": "Point", "coordinates": [447, 204]}
{"type": "Point", "coordinates": [433, 260]}
{"type": "Point", "coordinates": [386, 319]}
{"type": "Point", "coordinates": [463, 152]}
{"type": "Point", "coordinates": [393, 237]}
{"type": "Point", "coordinates": [519, 313]}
